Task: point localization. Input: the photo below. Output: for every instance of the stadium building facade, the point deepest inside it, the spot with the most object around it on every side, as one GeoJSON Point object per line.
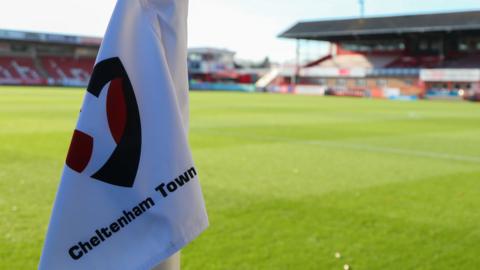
{"type": "Point", "coordinates": [430, 55]}
{"type": "Point", "coordinates": [216, 69]}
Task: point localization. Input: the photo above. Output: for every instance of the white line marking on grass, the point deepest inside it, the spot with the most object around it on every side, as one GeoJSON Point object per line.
{"type": "Point", "coordinates": [369, 148]}
{"type": "Point", "coordinates": [391, 150]}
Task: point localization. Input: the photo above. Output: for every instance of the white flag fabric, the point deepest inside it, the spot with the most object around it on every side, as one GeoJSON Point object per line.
{"type": "Point", "coordinates": [129, 196]}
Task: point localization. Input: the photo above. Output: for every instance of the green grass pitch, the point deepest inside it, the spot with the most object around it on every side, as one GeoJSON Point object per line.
{"type": "Point", "coordinates": [288, 180]}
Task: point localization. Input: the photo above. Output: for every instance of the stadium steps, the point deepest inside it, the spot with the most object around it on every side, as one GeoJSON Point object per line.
{"type": "Point", "coordinates": [266, 79]}
{"type": "Point", "coordinates": [38, 65]}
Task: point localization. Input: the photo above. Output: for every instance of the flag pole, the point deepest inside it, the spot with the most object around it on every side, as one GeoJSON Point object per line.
{"type": "Point", "coordinates": [172, 263]}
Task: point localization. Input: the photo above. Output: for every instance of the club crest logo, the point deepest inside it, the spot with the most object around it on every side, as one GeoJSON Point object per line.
{"type": "Point", "coordinates": [119, 108]}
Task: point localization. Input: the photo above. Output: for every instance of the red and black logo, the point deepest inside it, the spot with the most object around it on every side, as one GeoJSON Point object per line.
{"type": "Point", "coordinates": [123, 122]}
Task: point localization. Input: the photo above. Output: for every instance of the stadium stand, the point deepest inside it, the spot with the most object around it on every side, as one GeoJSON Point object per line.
{"type": "Point", "coordinates": [356, 60]}
{"type": "Point", "coordinates": [19, 70]}
{"type": "Point", "coordinates": [463, 61]}
{"type": "Point", "coordinates": [61, 68]}
{"type": "Point", "coordinates": [411, 61]}
{"type": "Point", "coordinates": [422, 55]}
{"type": "Point", "coordinates": [46, 59]}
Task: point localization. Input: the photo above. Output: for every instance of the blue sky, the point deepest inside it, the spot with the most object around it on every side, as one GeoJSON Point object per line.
{"type": "Point", "coordinates": [248, 27]}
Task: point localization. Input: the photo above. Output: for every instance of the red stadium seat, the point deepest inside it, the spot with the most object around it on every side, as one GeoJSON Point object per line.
{"type": "Point", "coordinates": [19, 70]}
{"type": "Point", "coordinates": [68, 68]}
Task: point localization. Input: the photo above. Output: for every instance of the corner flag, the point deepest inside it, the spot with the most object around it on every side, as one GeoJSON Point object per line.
{"type": "Point", "coordinates": [129, 196]}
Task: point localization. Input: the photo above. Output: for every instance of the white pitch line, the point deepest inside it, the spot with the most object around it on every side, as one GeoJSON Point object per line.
{"type": "Point", "coordinates": [399, 151]}
{"type": "Point", "coordinates": [369, 148]}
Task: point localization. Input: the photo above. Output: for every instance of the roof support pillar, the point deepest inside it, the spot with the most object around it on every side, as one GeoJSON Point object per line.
{"type": "Point", "coordinates": [297, 63]}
